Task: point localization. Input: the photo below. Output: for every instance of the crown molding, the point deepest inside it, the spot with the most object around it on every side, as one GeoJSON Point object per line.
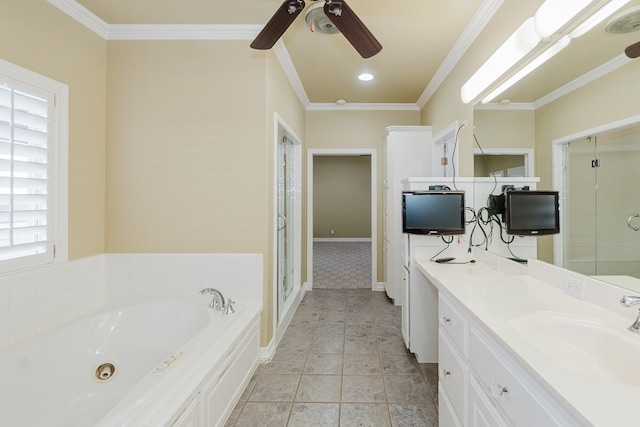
{"type": "Point", "coordinates": [514, 106]}
{"type": "Point", "coordinates": [481, 18]}
{"type": "Point", "coordinates": [362, 107]}
{"type": "Point", "coordinates": [81, 14]}
{"type": "Point", "coordinates": [575, 84]}
{"type": "Point", "coordinates": [290, 71]}
{"type": "Point", "coordinates": [183, 32]}
{"type": "Point", "coordinates": [583, 80]}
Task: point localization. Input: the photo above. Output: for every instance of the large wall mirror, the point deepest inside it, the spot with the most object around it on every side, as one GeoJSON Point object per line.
{"type": "Point", "coordinates": [575, 113]}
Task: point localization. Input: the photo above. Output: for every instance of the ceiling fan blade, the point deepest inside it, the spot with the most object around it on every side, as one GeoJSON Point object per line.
{"type": "Point", "coordinates": [278, 24]}
{"type": "Point", "coordinates": [352, 27]}
{"type": "Point", "coordinates": [633, 51]}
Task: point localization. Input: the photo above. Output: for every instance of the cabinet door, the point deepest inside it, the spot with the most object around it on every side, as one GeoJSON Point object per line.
{"type": "Point", "coordinates": [482, 413]}
{"type": "Point", "coordinates": [446, 414]}
{"type": "Point", "coordinates": [405, 307]}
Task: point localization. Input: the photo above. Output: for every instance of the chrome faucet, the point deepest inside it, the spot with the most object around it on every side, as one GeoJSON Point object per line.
{"type": "Point", "coordinates": [629, 301]}
{"type": "Point", "coordinates": [217, 302]}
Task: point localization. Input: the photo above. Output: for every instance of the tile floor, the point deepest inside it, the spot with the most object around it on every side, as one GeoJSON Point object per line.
{"type": "Point", "coordinates": [341, 265]}
{"type": "Point", "coordinates": [341, 362]}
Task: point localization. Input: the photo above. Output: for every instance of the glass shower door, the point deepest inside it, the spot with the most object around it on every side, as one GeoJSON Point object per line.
{"type": "Point", "coordinates": [286, 211]}
{"type": "Point", "coordinates": [601, 205]}
{"type": "Point", "coordinates": [579, 206]}
{"type": "Point", "coordinates": [618, 200]}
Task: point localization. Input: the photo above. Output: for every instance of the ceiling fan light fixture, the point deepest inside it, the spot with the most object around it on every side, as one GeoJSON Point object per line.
{"type": "Point", "coordinates": [318, 21]}
{"type": "Point", "coordinates": [627, 21]}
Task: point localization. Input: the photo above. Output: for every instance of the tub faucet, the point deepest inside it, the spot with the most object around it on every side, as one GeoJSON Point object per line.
{"type": "Point", "coordinates": [629, 301]}
{"type": "Point", "coordinates": [217, 302]}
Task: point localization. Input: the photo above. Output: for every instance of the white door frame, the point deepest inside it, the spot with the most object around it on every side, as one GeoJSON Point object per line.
{"type": "Point", "coordinates": [311, 153]}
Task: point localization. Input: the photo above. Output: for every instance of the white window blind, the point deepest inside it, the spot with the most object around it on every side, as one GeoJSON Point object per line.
{"type": "Point", "coordinates": [26, 178]}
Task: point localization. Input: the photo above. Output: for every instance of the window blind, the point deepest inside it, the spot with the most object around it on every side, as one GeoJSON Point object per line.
{"type": "Point", "coordinates": [25, 208]}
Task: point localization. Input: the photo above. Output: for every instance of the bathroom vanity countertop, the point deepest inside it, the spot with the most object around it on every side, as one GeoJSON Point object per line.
{"type": "Point", "coordinates": [529, 317]}
{"type": "Point", "coordinates": [627, 282]}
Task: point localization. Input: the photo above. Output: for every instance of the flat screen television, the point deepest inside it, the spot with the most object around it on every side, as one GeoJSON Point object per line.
{"type": "Point", "coordinates": [436, 213]}
{"type": "Point", "coordinates": [532, 213]}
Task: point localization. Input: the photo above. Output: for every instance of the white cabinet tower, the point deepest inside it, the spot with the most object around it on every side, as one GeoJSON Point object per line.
{"type": "Point", "coordinates": [407, 152]}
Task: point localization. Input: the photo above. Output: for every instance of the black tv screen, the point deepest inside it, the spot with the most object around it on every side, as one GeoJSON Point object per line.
{"type": "Point", "coordinates": [437, 213]}
{"type": "Point", "coordinates": [532, 213]}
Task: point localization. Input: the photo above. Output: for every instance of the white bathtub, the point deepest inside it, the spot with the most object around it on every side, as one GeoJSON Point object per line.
{"type": "Point", "coordinates": [168, 357]}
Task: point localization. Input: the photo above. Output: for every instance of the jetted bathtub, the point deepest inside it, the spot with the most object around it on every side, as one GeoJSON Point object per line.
{"type": "Point", "coordinates": [152, 364]}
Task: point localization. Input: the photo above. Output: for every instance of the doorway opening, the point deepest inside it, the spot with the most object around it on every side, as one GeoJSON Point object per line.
{"type": "Point", "coordinates": [342, 218]}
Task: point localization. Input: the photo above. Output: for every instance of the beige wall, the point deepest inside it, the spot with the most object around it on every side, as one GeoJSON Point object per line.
{"type": "Point", "coordinates": [355, 130]}
{"type": "Point", "coordinates": [505, 128]}
{"type": "Point", "coordinates": [37, 36]}
{"type": "Point", "coordinates": [342, 196]}
{"type": "Point", "coordinates": [283, 101]}
{"type": "Point", "coordinates": [184, 171]}
{"type": "Point", "coordinates": [190, 149]}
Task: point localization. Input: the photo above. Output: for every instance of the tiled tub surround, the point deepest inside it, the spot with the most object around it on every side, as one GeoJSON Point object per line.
{"type": "Point", "coordinates": [35, 300]}
{"type": "Point", "coordinates": [35, 303]}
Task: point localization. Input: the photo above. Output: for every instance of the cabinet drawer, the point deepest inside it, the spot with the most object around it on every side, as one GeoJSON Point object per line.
{"type": "Point", "coordinates": [454, 323]}
{"type": "Point", "coordinates": [453, 375]}
{"type": "Point", "coordinates": [508, 391]}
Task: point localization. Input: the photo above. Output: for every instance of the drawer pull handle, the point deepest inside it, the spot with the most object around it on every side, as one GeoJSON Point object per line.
{"type": "Point", "coordinates": [446, 320]}
{"type": "Point", "coordinates": [498, 390]}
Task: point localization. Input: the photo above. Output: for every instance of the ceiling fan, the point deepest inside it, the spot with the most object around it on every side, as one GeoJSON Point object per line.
{"type": "Point", "coordinates": [342, 16]}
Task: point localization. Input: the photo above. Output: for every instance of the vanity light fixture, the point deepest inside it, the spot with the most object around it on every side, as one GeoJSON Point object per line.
{"type": "Point", "coordinates": [517, 46]}
{"type": "Point", "coordinates": [365, 77]}
{"type": "Point", "coordinates": [553, 15]}
{"type": "Point", "coordinates": [602, 14]}
{"type": "Point", "coordinates": [541, 59]}
{"type": "Point", "coordinates": [550, 23]}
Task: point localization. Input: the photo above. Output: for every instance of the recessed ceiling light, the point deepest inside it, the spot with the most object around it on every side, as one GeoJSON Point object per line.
{"type": "Point", "coordinates": [365, 77]}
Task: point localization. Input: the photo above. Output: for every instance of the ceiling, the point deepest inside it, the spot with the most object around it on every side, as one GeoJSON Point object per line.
{"type": "Point", "coordinates": [418, 38]}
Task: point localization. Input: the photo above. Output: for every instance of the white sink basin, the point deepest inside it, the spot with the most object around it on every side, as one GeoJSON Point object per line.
{"type": "Point", "coordinates": [583, 345]}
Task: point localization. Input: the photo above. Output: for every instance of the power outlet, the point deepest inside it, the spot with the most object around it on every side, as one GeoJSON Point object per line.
{"type": "Point", "coordinates": [574, 287]}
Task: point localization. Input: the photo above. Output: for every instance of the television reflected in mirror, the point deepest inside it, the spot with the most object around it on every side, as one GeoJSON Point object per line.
{"type": "Point", "coordinates": [532, 213]}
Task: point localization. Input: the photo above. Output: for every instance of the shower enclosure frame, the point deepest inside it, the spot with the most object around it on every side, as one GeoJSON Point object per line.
{"type": "Point", "coordinates": [289, 228]}
{"type": "Point", "coordinates": [558, 162]}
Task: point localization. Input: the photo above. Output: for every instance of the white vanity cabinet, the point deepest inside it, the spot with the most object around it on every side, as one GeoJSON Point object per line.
{"type": "Point", "coordinates": [481, 384]}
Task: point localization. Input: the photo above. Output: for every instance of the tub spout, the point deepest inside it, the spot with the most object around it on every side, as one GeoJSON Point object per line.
{"type": "Point", "coordinates": [217, 302]}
